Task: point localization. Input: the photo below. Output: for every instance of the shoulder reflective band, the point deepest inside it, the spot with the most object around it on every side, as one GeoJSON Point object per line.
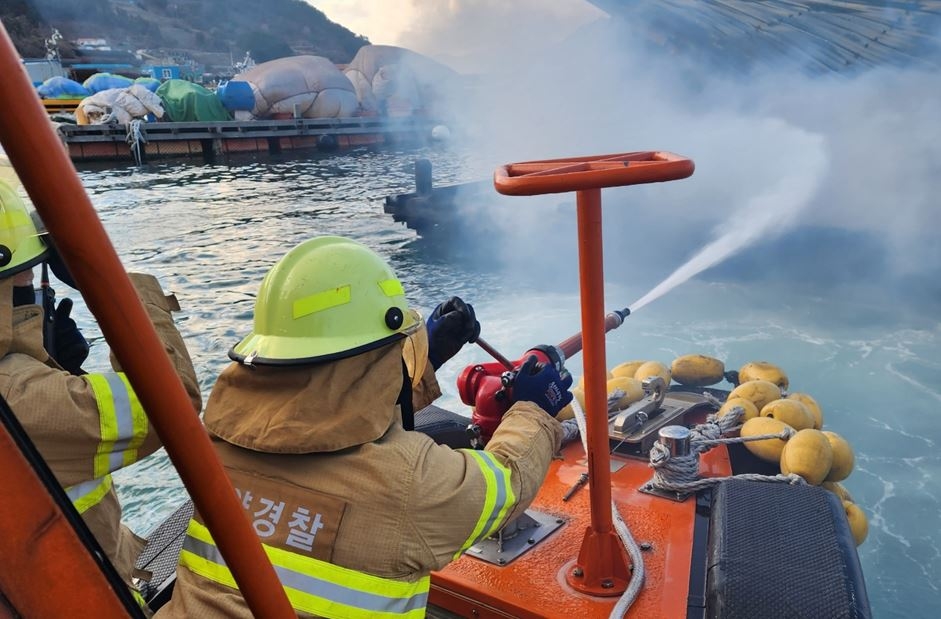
{"type": "Point", "coordinates": [499, 500]}
{"type": "Point", "coordinates": [88, 493]}
{"type": "Point", "coordinates": [313, 586]}
{"type": "Point", "coordinates": [123, 422]}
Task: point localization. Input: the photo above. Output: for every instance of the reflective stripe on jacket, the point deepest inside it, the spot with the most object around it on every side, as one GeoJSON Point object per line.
{"type": "Point", "coordinates": [124, 427]}
{"type": "Point", "coordinates": [313, 586]}
{"type": "Point", "coordinates": [499, 499]}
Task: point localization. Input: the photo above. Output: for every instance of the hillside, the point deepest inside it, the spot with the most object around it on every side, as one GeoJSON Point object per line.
{"type": "Point", "coordinates": [268, 28]}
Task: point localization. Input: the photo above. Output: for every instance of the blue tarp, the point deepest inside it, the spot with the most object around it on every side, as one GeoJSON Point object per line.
{"type": "Point", "coordinates": [150, 83]}
{"type": "Point", "coordinates": [62, 88]}
{"type": "Point", "coordinates": [104, 81]}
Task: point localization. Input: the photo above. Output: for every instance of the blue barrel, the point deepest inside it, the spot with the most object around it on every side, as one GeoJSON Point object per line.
{"type": "Point", "coordinates": [236, 95]}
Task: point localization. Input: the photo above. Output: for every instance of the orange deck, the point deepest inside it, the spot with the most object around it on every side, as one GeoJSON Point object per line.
{"type": "Point", "coordinates": [534, 585]}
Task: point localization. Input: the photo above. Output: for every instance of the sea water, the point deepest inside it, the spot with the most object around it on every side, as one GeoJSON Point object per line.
{"type": "Point", "coordinates": [209, 233]}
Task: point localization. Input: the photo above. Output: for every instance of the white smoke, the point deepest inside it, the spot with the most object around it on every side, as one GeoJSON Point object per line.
{"type": "Point", "coordinates": [606, 92]}
{"type": "Point", "coordinates": [856, 153]}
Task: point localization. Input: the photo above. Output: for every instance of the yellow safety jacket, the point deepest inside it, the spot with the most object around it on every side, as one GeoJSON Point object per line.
{"type": "Point", "coordinates": [87, 427]}
{"type": "Point", "coordinates": [353, 511]}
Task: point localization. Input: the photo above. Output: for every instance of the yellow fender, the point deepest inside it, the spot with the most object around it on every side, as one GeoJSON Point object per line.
{"type": "Point", "coordinates": [760, 392]}
{"type": "Point", "coordinates": [697, 370]}
{"type": "Point", "coordinates": [628, 368]}
{"type": "Point", "coordinates": [751, 411]}
{"type": "Point", "coordinates": [632, 388]}
{"type": "Point", "coordinates": [843, 458]}
{"type": "Point", "coordinates": [859, 524]}
{"type": "Point", "coordinates": [838, 489]}
{"type": "Point", "coordinates": [768, 449]}
{"type": "Point", "coordinates": [762, 370]}
{"type": "Point", "coordinates": [807, 454]}
{"type": "Point", "coordinates": [811, 405]}
{"type": "Point", "coordinates": [653, 368]}
{"type": "Point", "coordinates": [791, 412]}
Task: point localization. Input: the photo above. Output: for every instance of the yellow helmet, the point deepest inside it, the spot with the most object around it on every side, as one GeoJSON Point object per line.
{"type": "Point", "coordinates": [327, 298]}
{"type": "Point", "coordinates": [21, 245]}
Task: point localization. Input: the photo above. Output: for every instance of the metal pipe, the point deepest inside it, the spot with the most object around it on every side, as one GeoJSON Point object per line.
{"type": "Point", "coordinates": [51, 181]}
{"type": "Point", "coordinates": [493, 353]}
{"type": "Point", "coordinates": [573, 344]}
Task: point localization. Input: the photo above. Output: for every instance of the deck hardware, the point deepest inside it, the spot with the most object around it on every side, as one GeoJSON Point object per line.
{"type": "Point", "coordinates": [636, 436]}
{"type": "Point", "coordinates": [516, 538]}
{"type": "Point", "coordinates": [581, 481]}
{"type": "Point", "coordinates": [676, 439]}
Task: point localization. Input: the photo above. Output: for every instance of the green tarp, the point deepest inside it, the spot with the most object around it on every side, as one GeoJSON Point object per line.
{"type": "Point", "coordinates": [185, 101]}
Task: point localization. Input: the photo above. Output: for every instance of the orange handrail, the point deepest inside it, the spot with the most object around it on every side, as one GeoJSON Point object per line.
{"type": "Point", "coordinates": [36, 536]}
{"type": "Point", "coordinates": [51, 181]}
{"type": "Point", "coordinates": [602, 564]}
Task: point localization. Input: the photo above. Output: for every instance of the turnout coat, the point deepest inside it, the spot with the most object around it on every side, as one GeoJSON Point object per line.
{"type": "Point", "coordinates": [353, 510]}
{"type": "Point", "coordinates": [86, 427]}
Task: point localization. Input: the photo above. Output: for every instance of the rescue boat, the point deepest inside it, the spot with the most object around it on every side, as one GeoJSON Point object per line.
{"type": "Point", "coordinates": [656, 510]}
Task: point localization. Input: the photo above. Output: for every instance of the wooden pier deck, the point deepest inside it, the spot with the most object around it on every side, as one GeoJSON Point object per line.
{"type": "Point", "coordinates": [208, 140]}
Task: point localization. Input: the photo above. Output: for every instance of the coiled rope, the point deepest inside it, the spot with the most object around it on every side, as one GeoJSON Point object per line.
{"type": "Point", "coordinates": [681, 473]}
{"type": "Point", "coordinates": [135, 139]}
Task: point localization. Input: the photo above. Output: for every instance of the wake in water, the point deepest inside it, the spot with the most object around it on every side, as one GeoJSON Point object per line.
{"type": "Point", "coordinates": [765, 216]}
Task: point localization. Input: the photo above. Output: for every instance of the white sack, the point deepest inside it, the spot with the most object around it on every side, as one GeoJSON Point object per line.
{"type": "Point", "coordinates": [312, 85]}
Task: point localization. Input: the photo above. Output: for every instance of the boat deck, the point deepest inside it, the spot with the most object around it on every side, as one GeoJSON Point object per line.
{"type": "Point", "coordinates": [534, 585]}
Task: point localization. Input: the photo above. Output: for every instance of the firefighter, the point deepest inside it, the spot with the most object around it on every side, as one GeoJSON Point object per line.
{"type": "Point", "coordinates": [354, 510]}
{"type": "Point", "coordinates": [86, 427]}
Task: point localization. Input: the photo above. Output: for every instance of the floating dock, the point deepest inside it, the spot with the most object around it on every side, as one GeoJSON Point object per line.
{"type": "Point", "coordinates": [434, 211]}
{"type": "Point", "coordinates": [139, 142]}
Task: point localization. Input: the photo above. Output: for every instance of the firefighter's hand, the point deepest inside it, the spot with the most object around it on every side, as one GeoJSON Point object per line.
{"type": "Point", "coordinates": [450, 326]}
{"type": "Point", "coordinates": [58, 266]}
{"type": "Point", "coordinates": [542, 385]}
{"type": "Point", "coordinates": [71, 347]}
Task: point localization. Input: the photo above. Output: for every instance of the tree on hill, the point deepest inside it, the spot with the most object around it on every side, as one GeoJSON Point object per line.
{"type": "Point", "coordinates": [193, 25]}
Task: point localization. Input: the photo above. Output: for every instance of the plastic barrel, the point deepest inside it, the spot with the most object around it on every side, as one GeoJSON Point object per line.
{"type": "Point", "coordinates": [236, 95]}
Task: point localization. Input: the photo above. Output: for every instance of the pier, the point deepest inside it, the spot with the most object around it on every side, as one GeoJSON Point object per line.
{"type": "Point", "coordinates": [139, 142]}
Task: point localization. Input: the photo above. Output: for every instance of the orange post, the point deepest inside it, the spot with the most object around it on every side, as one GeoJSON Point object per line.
{"type": "Point", "coordinates": [52, 183]}
{"type": "Point", "coordinates": [601, 567]}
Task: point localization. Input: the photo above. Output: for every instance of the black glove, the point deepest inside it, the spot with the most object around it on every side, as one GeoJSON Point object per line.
{"type": "Point", "coordinates": [71, 347]}
{"type": "Point", "coordinates": [450, 326]}
{"type": "Point", "coordinates": [542, 385]}
{"type": "Point", "coordinates": [58, 265]}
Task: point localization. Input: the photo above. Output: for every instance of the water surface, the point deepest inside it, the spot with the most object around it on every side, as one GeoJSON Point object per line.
{"type": "Point", "coordinates": [209, 233]}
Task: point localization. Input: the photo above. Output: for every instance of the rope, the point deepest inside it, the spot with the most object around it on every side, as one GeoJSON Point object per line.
{"type": "Point", "coordinates": [624, 533]}
{"type": "Point", "coordinates": [681, 473]}
{"type": "Point", "coordinates": [135, 138]}
{"type": "Point", "coordinates": [571, 429]}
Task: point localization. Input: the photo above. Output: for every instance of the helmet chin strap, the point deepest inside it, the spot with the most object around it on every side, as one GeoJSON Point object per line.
{"type": "Point", "coordinates": [405, 400]}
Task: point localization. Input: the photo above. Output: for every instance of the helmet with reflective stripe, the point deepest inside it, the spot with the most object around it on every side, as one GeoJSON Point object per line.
{"type": "Point", "coordinates": [327, 298]}
{"type": "Point", "coordinates": [21, 246]}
